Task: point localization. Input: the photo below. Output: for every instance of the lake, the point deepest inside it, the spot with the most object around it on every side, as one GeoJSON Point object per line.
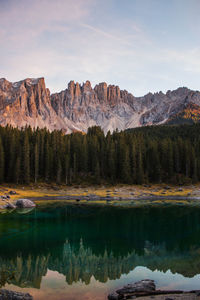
{"type": "Point", "coordinates": [84, 252]}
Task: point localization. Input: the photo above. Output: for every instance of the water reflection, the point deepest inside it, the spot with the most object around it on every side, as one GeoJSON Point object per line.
{"type": "Point", "coordinates": [103, 243]}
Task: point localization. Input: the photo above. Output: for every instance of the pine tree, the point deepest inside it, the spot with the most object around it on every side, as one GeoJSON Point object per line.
{"type": "Point", "coordinates": [26, 159]}
{"type": "Point", "coordinates": [133, 163]}
{"type": "Point", "coordinates": [67, 169]}
{"type": "Point", "coordinates": [97, 173]}
{"type": "Point", "coordinates": [140, 170]}
{"type": "Point", "coordinates": [59, 172]}
{"type": "Point", "coordinates": [17, 170]}
{"type": "Point", "coordinates": [47, 165]}
{"type": "Point", "coordinates": [2, 163]}
{"type": "Point", "coordinates": [36, 161]}
{"type": "Point", "coordinates": [111, 162]}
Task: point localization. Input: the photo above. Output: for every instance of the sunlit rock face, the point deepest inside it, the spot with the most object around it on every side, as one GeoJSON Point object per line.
{"type": "Point", "coordinates": [79, 106]}
{"type": "Point", "coordinates": [27, 102]}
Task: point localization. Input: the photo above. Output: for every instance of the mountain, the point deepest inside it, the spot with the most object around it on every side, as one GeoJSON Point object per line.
{"type": "Point", "coordinates": [29, 102]}
{"type": "Point", "coordinates": [189, 115]}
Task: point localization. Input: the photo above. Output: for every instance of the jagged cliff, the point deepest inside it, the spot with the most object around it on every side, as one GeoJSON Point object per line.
{"type": "Point", "coordinates": [29, 102]}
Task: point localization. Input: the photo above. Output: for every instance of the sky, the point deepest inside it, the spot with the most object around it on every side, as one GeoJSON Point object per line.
{"type": "Point", "coordinates": [140, 45]}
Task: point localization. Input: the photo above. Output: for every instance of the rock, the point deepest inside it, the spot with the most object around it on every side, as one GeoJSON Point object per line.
{"type": "Point", "coordinates": [11, 295]}
{"type": "Point", "coordinates": [145, 285]}
{"type": "Point", "coordinates": [55, 188]}
{"type": "Point", "coordinates": [24, 203]}
{"type": "Point", "coordinates": [147, 290]}
{"type": "Point", "coordinates": [167, 187]}
{"type": "Point", "coordinates": [180, 189]}
{"type": "Point", "coordinates": [93, 197]}
{"type": "Point", "coordinates": [7, 196]}
{"type": "Point", "coordinates": [114, 296]}
{"type": "Point", "coordinates": [12, 193]}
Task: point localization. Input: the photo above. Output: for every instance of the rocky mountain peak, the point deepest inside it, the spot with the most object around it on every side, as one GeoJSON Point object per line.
{"type": "Point", "coordinates": [28, 102]}
{"type": "Point", "coordinates": [87, 87]}
{"type": "Point", "coordinates": [101, 91]}
{"type": "Point", "coordinates": [5, 84]}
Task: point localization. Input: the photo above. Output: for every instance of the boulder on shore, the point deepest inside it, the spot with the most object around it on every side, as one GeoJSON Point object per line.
{"type": "Point", "coordinates": [146, 289]}
{"type": "Point", "coordinates": [11, 295]}
{"type": "Point", "coordinates": [24, 203]}
{"type": "Point", "coordinates": [145, 285]}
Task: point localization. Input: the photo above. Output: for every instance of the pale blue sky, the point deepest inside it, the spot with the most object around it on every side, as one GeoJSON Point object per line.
{"type": "Point", "coordinates": [140, 45]}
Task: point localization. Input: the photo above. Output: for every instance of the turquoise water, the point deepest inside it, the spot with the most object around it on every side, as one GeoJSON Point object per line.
{"type": "Point", "coordinates": [84, 252]}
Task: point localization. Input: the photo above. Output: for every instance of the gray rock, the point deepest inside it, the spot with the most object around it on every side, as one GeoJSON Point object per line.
{"type": "Point", "coordinates": [10, 295]}
{"type": "Point", "coordinates": [12, 193]}
{"type": "Point", "coordinates": [24, 203]}
{"type": "Point", "coordinates": [114, 296]}
{"type": "Point", "coordinates": [145, 285]}
{"type": "Point", "coordinates": [167, 187]}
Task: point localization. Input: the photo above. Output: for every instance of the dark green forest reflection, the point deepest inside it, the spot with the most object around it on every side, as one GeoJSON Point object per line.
{"type": "Point", "coordinates": [106, 242]}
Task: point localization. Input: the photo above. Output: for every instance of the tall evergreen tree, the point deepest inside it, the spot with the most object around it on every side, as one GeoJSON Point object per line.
{"type": "Point", "coordinates": [26, 159]}
{"type": "Point", "coordinates": [2, 162]}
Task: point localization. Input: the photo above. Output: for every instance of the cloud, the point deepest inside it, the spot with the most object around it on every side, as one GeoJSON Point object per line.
{"type": "Point", "coordinates": [189, 59]}
{"type": "Point", "coordinates": [39, 12]}
{"type": "Point", "coordinates": [96, 40]}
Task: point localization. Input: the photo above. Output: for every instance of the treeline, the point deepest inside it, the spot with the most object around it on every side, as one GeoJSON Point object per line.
{"type": "Point", "coordinates": [142, 155]}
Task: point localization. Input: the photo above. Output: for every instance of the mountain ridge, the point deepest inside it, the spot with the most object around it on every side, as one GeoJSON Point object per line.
{"type": "Point", "coordinates": [79, 106]}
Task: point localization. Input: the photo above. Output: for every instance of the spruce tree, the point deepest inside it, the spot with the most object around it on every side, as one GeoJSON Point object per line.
{"type": "Point", "coordinates": [26, 159]}
{"type": "Point", "coordinates": [36, 162]}
{"type": "Point", "coordinates": [2, 162]}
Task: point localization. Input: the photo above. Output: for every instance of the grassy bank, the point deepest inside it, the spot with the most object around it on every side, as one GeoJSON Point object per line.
{"type": "Point", "coordinates": [118, 193]}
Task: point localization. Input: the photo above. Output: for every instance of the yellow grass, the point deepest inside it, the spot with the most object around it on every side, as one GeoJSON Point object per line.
{"type": "Point", "coordinates": [124, 192]}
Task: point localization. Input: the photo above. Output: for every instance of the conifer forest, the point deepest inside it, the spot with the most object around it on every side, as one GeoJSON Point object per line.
{"type": "Point", "coordinates": [152, 154]}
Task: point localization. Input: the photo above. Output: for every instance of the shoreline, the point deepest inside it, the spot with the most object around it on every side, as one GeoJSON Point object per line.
{"type": "Point", "coordinates": [121, 195]}
{"type": "Point", "coordinates": [132, 195]}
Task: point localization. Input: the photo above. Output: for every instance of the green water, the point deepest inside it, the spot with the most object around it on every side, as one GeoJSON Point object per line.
{"type": "Point", "coordinates": [84, 252]}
